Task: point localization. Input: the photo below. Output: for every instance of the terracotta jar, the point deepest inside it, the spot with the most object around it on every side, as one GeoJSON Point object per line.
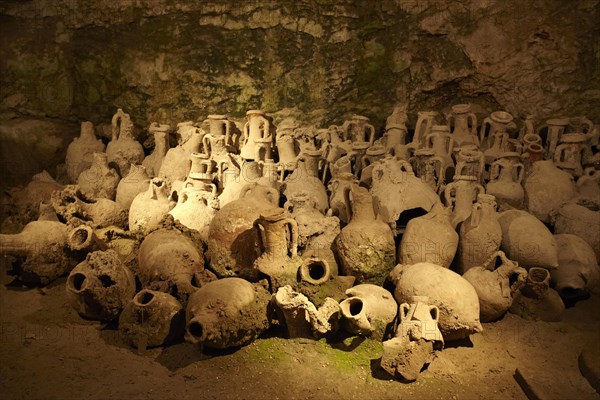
{"type": "Point", "coordinates": [38, 190]}
{"type": "Point", "coordinates": [150, 207]}
{"type": "Point", "coordinates": [588, 184]}
{"type": "Point", "coordinates": [153, 162]}
{"type": "Point", "coordinates": [236, 177]}
{"type": "Point", "coordinates": [456, 299]}
{"type": "Point", "coordinates": [101, 286]}
{"type": "Point", "coordinates": [369, 311]}
{"type": "Point", "coordinates": [196, 207]}
{"type": "Point", "coordinates": [203, 170]}
{"type": "Point", "coordinates": [358, 129]}
{"type": "Point", "coordinates": [373, 154]}
{"type": "Point", "coordinates": [130, 186]}
{"type": "Point", "coordinates": [429, 238]}
{"type": "Point", "coordinates": [498, 145]}
{"type": "Point", "coordinates": [546, 189]}
{"type": "Point", "coordinates": [464, 125]}
{"type": "Point", "coordinates": [99, 180]}
{"type": "Point", "coordinates": [227, 313]}
{"type": "Point", "coordinates": [76, 208]}
{"type": "Point", "coordinates": [428, 167]}
{"type": "Point", "coordinates": [555, 127]}
{"type": "Point", "coordinates": [220, 125]}
{"type": "Point", "coordinates": [470, 162]}
{"type": "Point", "coordinates": [480, 234]}
{"type": "Point", "coordinates": [176, 163]}
{"type": "Point", "coordinates": [152, 319]}
{"type": "Point", "coordinates": [43, 246]}
{"type": "Point", "coordinates": [580, 217]}
{"type": "Point", "coordinates": [123, 150]}
{"type": "Point", "coordinates": [232, 239]}
{"type": "Point", "coordinates": [460, 194]}
{"type": "Point", "coordinates": [279, 260]}
{"type": "Point", "coordinates": [496, 286]}
{"type": "Point", "coordinates": [568, 154]}
{"type": "Point", "coordinates": [442, 143]}
{"type": "Point", "coordinates": [80, 150]}
{"type": "Point", "coordinates": [537, 300]}
{"type": "Point", "coordinates": [425, 120]}
{"type": "Point", "coordinates": [366, 245]}
{"type": "Point", "coordinates": [397, 192]}
{"type": "Point", "coordinates": [417, 337]}
{"type": "Point", "coordinates": [578, 272]}
{"type": "Point", "coordinates": [316, 232]}
{"type": "Point", "coordinates": [217, 146]}
{"type": "Point", "coordinates": [506, 175]}
{"type": "Point", "coordinates": [256, 136]}
{"type": "Point", "coordinates": [494, 129]}
{"type": "Point", "coordinates": [527, 241]}
{"type": "Point", "coordinates": [288, 148]}
{"type": "Point", "coordinates": [169, 262]}
{"type": "Point", "coordinates": [306, 179]}
{"type": "Point", "coordinates": [395, 129]}
{"type": "Point", "coordinates": [337, 200]}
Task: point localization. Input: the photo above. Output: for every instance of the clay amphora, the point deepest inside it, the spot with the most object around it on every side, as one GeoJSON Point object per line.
{"type": "Point", "coordinates": [99, 180]}
{"type": "Point", "coordinates": [453, 295]}
{"type": "Point", "coordinates": [568, 154]}
{"type": "Point", "coordinates": [80, 150]}
{"type": "Point", "coordinates": [578, 271]}
{"type": "Point", "coordinates": [232, 238]}
{"type": "Point", "coordinates": [494, 129]}
{"type": "Point", "coordinates": [43, 245]}
{"type": "Point", "coordinates": [471, 162]}
{"type": "Point", "coordinates": [372, 155]}
{"type": "Point", "coordinates": [428, 167]}
{"type": "Point", "coordinates": [442, 143]}
{"type": "Point", "coordinates": [271, 174]}
{"type": "Point", "coordinates": [306, 179]}
{"type": "Point", "coordinates": [537, 300]}
{"type": "Point", "coordinates": [369, 311]}
{"type": "Point", "coordinates": [580, 217]}
{"type": "Point", "coordinates": [226, 313]}
{"type": "Point", "coordinates": [153, 162]}
{"type": "Point", "coordinates": [480, 234]}
{"type": "Point", "coordinates": [101, 286]}
{"type": "Point", "coordinates": [546, 189]}
{"type": "Point", "coordinates": [366, 245]}
{"type": "Point", "coordinates": [203, 170]}
{"type": "Point", "coordinates": [396, 190]}
{"type": "Point", "coordinates": [506, 176]}
{"type": "Point", "coordinates": [395, 129]}
{"type": "Point", "coordinates": [498, 144]}
{"type": "Point", "coordinates": [588, 184]}
{"type": "Point", "coordinates": [130, 186]}
{"type": "Point", "coordinates": [217, 146]}
{"type": "Point", "coordinates": [527, 241]}
{"type": "Point", "coordinates": [555, 128]}
{"type": "Point", "coordinates": [429, 238]}
{"type": "Point", "coordinates": [358, 129]}
{"type": "Point", "coordinates": [150, 207]}
{"type": "Point", "coordinates": [221, 126]}
{"type": "Point", "coordinates": [176, 163]}
{"type": "Point", "coordinates": [337, 200]}
{"type": "Point", "coordinates": [237, 175]}
{"type": "Point", "coordinates": [496, 286]}
{"type": "Point", "coordinates": [425, 120]}
{"type": "Point", "coordinates": [301, 317]}
{"type": "Point", "coordinates": [75, 208]}
{"type": "Point", "coordinates": [288, 147]}
{"type": "Point", "coordinates": [151, 319]}
{"type": "Point", "coordinates": [316, 231]}
{"type": "Point", "coordinates": [464, 125]}
{"type": "Point", "coordinates": [169, 261]}
{"type": "Point", "coordinates": [123, 150]}
{"type": "Point", "coordinates": [38, 190]}
{"type": "Point", "coordinates": [256, 136]}
{"type": "Point", "coordinates": [279, 259]}
{"type": "Point", "coordinates": [460, 194]}
{"type": "Point", "coordinates": [416, 338]}
{"type": "Point", "coordinates": [357, 155]}
{"type": "Point", "coordinates": [196, 207]}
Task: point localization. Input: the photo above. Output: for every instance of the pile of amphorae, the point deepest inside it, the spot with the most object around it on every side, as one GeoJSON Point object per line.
{"type": "Point", "coordinates": [239, 227]}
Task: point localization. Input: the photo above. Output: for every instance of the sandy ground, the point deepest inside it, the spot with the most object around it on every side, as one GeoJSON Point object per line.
{"type": "Point", "coordinates": [48, 352]}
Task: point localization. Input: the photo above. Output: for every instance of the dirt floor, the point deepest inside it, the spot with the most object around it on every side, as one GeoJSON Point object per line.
{"type": "Point", "coordinates": [48, 352]}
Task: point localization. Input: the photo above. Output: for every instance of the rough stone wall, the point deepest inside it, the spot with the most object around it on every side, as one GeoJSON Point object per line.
{"type": "Point", "coordinates": [169, 61]}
